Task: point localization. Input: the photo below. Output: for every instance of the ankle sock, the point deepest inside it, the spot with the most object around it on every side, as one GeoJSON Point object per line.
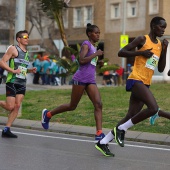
{"type": "Point", "coordinates": [6, 129]}
{"type": "Point", "coordinates": [126, 125]}
{"type": "Point", "coordinates": [109, 137]}
{"type": "Point", "coordinates": [49, 115]}
{"type": "Point", "coordinates": [98, 132]}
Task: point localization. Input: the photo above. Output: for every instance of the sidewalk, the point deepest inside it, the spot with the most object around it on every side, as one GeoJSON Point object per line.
{"type": "Point", "coordinates": [84, 130]}
{"type": "Point", "coordinates": [155, 138]}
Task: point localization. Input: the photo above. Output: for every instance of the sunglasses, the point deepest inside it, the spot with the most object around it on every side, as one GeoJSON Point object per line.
{"type": "Point", "coordinates": [25, 37]}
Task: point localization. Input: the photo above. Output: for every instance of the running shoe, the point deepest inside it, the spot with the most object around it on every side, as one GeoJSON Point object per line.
{"type": "Point", "coordinates": [153, 118]}
{"type": "Point", "coordinates": [99, 137]}
{"type": "Point", "coordinates": [119, 136]}
{"type": "Point", "coordinates": [8, 134]}
{"type": "Point", "coordinates": [45, 120]}
{"type": "Point", "coordinates": [104, 149]}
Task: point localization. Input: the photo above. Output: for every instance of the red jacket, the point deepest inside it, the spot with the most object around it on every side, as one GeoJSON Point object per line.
{"type": "Point", "coordinates": [119, 71]}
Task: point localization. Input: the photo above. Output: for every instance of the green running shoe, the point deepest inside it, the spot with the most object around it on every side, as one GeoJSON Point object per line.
{"type": "Point", "coordinates": [119, 136]}
{"type": "Point", "coordinates": [104, 149]}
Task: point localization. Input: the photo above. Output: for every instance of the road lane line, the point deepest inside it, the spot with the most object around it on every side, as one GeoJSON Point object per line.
{"type": "Point", "coordinates": [90, 141]}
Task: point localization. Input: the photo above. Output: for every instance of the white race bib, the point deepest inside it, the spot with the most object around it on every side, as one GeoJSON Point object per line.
{"type": "Point", "coordinates": [94, 61]}
{"type": "Point", "coordinates": [23, 73]}
{"type": "Point", "coordinates": [152, 62]}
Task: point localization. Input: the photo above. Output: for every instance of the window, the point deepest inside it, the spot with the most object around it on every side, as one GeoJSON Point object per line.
{"type": "Point", "coordinates": [4, 36]}
{"type": "Point", "coordinates": [82, 16]}
{"type": "Point", "coordinates": [77, 17]}
{"type": "Point", "coordinates": [65, 18]}
{"type": "Point", "coordinates": [153, 6]}
{"type": "Point", "coordinates": [132, 9]}
{"type": "Point", "coordinates": [115, 11]}
{"type": "Point", "coordinates": [3, 13]}
{"type": "Point", "coordinates": [88, 17]}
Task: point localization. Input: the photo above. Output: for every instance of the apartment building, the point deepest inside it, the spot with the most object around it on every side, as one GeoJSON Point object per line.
{"type": "Point", "coordinates": [75, 17]}
{"type": "Point", "coordinates": [79, 14]}
{"type": "Point", "coordinates": [113, 17]}
{"type": "Point", "coordinates": [6, 25]}
{"type": "Point", "coordinates": [132, 17]}
{"type": "Point", "coordinates": [135, 21]}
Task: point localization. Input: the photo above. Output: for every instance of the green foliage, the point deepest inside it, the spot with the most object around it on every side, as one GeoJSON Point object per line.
{"type": "Point", "coordinates": [112, 67]}
{"type": "Point", "coordinates": [105, 60]}
{"type": "Point", "coordinates": [54, 9]}
{"type": "Point", "coordinates": [50, 6]}
{"type": "Point", "coordinates": [67, 63]}
{"type": "Point", "coordinates": [102, 68]}
{"type": "Point", "coordinates": [73, 51]}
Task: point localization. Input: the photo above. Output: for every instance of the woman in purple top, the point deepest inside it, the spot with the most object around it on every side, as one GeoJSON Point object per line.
{"type": "Point", "coordinates": [83, 79]}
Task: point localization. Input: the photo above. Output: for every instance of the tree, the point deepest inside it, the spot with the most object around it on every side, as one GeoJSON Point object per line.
{"type": "Point", "coordinates": [37, 19]}
{"type": "Point", "coordinates": [54, 9]}
{"type": "Point", "coordinates": [7, 18]}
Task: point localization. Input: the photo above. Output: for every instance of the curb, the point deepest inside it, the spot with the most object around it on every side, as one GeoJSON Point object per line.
{"type": "Point", "coordinates": [154, 138]}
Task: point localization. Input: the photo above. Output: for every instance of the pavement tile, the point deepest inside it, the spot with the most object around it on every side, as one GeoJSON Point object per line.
{"type": "Point", "coordinates": [167, 140]}
{"type": "Point", "coordinates": [26, 123]}
{"type": "Point", "coordinates": [60, 127]}
{"type": "Point", "coordinates": [36, 125]}
{"type": "Point", "coordinates": [153, 137]}
{"type": "Point", "coordinates": [3, 120]}
{"type": "Point", "coordinates": [132, 134]}
{"type": "Point", "coordinates": [81, 130]}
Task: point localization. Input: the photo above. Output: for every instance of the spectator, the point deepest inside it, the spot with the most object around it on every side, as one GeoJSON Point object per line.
{"type": "Point", "coordinates": [119, 73]}
{"type": "Point", "coordinates": [44, 70]}
{"type": "Point", "coordinates": [37, 64]}
{"type": "Point", "coordinates": [106, 76]}
{"type": "Point", "coordinates": [62, 71]}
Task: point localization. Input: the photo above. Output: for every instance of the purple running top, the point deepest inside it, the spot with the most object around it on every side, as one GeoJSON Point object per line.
{"type": "Point", "coordinates": [86, 72]}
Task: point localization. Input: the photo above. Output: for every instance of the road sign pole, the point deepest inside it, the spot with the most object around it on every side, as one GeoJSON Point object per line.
{"type": "Point", "coordinates": [124, 26]}
{"type": "Point", "coordinates": [19, 25]}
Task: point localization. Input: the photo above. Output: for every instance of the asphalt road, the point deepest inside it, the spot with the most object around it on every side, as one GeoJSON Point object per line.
{"type": "Point", "coordinates": [41, 150]}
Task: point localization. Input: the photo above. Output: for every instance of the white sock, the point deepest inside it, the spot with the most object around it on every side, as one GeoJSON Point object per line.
{"type": "Point", "coordinates": [107, 138]}
{"type": "Point", "coordinates": [126, 125]}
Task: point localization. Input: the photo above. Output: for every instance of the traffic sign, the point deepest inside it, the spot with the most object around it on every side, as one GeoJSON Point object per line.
{"type": "Point", "coordinates": [124, 40]}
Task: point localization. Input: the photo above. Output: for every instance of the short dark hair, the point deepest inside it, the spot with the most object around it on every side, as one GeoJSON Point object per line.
{"type": "Point", "coordinates": [90, 28]}
{"type": "Point", "coordinates": [19, 34]}
{"type": "Point", "coordinates": [156, 21]}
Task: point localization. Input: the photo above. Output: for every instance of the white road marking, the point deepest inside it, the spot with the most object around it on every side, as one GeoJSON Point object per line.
{"type": "Point", "coordinates": [90, 141]}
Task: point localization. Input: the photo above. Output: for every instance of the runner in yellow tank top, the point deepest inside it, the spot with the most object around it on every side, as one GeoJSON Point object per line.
{"type": "Point", "coordinates": [149, 54]}
{"type": "Point", "coordinates": [143, 67]}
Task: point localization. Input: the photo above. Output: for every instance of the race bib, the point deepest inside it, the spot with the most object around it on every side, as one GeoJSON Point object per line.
{"type": "Point", "coordinates": [94, 61]}
{"type": "Point", "coordinates": [23, 73]}
{"type": "Point", "coordinates": [152, 62]}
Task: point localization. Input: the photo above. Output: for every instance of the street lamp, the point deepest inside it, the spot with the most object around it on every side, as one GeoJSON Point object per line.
{"type": "Point", "coordinates": [124, 26]}
{"type": "Point", "coordinates": [19, 25]}
{"type": "Point", "coordinates": [20, 16]}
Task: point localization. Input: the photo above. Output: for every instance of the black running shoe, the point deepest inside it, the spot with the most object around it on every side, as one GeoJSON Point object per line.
{"type": "Point", "coordinates": [119, 136]}
{"type": "Point", "coordinates": [8, 134]}
{"type": "Point", "coordinates": [104, 149]}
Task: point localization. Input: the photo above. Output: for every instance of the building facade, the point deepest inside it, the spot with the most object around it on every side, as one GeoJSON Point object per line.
{"type": "Point", "coordinates": [132, 17]}
{"type": "Point", "coordinates": [113, 17]}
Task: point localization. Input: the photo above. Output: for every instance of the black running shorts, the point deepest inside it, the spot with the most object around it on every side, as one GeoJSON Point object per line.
{"type": "Point", "coordinates": [14, 89]}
